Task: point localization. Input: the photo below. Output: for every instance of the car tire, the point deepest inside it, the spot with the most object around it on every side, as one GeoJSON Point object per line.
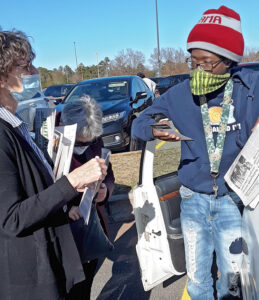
{"type": "Point", "coordinates": [135, 144]}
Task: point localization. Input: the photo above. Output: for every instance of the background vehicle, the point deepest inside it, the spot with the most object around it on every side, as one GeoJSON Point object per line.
{"type": "Point", "coordinates": [27, 108]}
{"type": "Point", "coordinates": [164, 83]}
{"type": "Point", "coordinates": [55, 92]}
{"type": "Point", "coordinates": [122, 99]}
{"type": "Point", "coordinates": [249, 65]}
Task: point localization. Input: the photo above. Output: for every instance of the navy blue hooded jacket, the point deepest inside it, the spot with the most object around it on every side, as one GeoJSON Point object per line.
{"type": "Point", "coordinates": [180, 106]}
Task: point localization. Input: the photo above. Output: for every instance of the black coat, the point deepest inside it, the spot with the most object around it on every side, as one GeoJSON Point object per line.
{"type": "Point", "coordinates": [38, 256]}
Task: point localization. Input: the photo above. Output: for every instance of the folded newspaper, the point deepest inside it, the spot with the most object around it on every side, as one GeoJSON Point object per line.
{"type": "Point", "coordinates": [89, 194]}
{"type": "Point", "coordinates": [55, 142]}
{"type": "Point", "coordinates": [44, 129]}
{"type": "Point", "coordinates": [64, 140]}
{"type": "Point", "coordinates": [243, 175]}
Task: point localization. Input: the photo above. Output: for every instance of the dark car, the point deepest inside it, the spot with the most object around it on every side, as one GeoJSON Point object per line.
{"type": "Point", "coordinates": [249, 65]}
{"type": "Point", "coordinates": [164, 83]}
{"type": "Point", "coordinates": [58, 91]}
{"type": "Point", "coordinates": [122, 99]}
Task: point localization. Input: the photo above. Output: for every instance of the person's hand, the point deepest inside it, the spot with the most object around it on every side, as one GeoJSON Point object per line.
{"type": "Point", "coordinates": [74, 213]}
{"type": "Point", "coordinates": [101, 194]}
{"type": "Point", "coordinates": [257, 122]}
{"type": "Point", "coordinates": [165, 136]}
{"type": "Point", "coordinates": [82, 177]}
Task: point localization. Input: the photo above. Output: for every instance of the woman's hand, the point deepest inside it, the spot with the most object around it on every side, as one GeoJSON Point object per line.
{"type": "Point", "coordinates": [101, 194]}
{"type": "Point", "coordinates": [82, 177]}
{"type": "Point", "coordinates": [256, 123]}
{"type": "Point", "coordinates": [165, 136]}
{"type": "Point", "coordinates": [74, 213]}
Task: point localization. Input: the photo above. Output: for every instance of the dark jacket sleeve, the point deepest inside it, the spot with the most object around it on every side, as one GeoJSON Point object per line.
{"type": "Point", "coordinates": [141, 125]}
{"type": "Point", "coordinates": [20, 213]}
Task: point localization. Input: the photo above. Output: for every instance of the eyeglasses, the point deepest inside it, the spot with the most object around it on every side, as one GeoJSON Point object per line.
{"type": "Point", "coordinates": [206, 66]}
{"type": "Point", "coordinates": [83, 144]}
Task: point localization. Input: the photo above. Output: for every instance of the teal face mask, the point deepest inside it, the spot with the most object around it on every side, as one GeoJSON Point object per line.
{"type": "Point", "coordinates": [30, 84]}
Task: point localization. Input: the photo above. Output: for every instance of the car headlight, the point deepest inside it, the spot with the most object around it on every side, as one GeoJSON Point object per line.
{"type": "Point", "coordinates": [113, 117]}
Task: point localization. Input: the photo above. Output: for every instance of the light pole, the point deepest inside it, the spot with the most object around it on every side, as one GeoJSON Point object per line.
{"type": "Point", "coordinates": [97, 64]}
{"type": "Point", "coordinates": [158, 48]}
{"type": "Point", "coordinates": [75, 54]}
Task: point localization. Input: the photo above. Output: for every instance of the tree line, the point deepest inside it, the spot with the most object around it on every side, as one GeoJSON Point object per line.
{"type": "Point", "coordinates": [128, 62]}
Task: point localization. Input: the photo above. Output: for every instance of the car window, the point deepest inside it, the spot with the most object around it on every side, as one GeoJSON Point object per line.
{"type": "Point", "coordinates": [142, 86]}
{"type": "Point", "coordinates": [135, 88]}
{"type": "Point", "coordinates": [65, 90]}
{"type": "Point", "coordinates": [37, 95]}
{"type": "Point", "coordinates": [164, 82]}
{"type": "Point", "coordinates": [54, 91]}
{"type": "Point", "coordinates": [101, 91]}
{"type": "Point", "coordinates": [166, 158]}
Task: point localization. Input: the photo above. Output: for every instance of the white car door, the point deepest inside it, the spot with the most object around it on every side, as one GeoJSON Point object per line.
{"type": "Point", "coordinates": [160, 247]}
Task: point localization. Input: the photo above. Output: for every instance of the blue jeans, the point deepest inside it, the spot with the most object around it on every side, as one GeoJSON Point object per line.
{"type": "Point", "coordinates": [209, 224]}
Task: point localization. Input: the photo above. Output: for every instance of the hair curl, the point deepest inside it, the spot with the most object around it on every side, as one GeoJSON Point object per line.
{"type": "Point", "coordinates": [87, 114]}
{"type": "Point", "coordinates": [14, 46]}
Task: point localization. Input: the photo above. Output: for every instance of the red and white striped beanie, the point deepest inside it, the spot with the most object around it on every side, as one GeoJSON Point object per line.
{"type": "Point", "coordinates": [218, 31]}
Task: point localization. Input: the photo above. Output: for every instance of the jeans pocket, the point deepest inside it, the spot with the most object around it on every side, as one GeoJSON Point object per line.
{"type": "Point", "coordinates": [185, 192]}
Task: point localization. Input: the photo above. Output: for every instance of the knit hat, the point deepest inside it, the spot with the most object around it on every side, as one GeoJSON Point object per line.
{"type": "Point", "coordinates": [218, 31]}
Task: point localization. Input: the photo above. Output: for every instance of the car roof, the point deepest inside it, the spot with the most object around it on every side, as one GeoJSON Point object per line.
{"type": "Point", "coordinates": [249, 63]}
{"type": "Point", "coordinates": [125, 77]}
{"type": "Point", "coordinates": [65, 84]}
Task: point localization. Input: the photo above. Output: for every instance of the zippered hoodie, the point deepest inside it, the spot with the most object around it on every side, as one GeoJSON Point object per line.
{"type": "Point", "coordinates": [179, 105]}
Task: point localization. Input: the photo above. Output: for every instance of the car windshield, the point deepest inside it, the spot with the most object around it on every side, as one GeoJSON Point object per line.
{"type": "Point", "coordinates": [102, 90]}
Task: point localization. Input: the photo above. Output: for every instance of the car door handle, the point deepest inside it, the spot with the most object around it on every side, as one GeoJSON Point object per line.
{"type": "Point", "coordinates": [156, 233]}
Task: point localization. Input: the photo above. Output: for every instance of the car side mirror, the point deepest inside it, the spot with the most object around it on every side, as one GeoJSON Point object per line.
{"type": "Point", "coordinates": [140, 95]}
{"type": "Point", "coordinates": [57, 101]}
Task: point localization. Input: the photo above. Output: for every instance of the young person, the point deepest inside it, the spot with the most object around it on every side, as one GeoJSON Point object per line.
{"type": "Point", "coordinates": [218, 108]}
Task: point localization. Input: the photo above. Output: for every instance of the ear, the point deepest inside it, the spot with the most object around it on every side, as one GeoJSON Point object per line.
{"type": "Point", "coordinates": [2, 82]}
{"type": "Point", "coordinates": [228, 63]}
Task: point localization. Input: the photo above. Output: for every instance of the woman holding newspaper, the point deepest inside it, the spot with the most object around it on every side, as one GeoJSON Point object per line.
{"type": "Point", "coordinates": [38, 256]}
{"type": "Point", "coordinates": [87, 114]}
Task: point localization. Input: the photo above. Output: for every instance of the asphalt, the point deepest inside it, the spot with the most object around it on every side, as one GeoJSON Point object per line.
{"type": "Point", "coordinates": [118, 276]}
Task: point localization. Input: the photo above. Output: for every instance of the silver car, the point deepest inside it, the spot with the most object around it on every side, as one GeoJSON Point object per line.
{"type": "Point", "coordinates": [27, 108]}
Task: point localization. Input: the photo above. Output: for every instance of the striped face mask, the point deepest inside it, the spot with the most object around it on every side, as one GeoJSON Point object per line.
{"type": "Point", "coordinates": [203, 82]}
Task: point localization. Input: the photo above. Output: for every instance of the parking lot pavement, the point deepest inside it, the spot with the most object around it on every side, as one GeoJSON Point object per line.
{"type": "Point", "coordinates": [119, 276]}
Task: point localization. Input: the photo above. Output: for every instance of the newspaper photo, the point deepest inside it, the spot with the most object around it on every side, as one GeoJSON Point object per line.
{"type": "Point", "coordinates": [89, 194]}
{"type": "Point", "coordinates": [63, 145]}
{"type": "Point", "coordinates": [243, 175]}
{"type": "Point", "coordinates": [44, 129]}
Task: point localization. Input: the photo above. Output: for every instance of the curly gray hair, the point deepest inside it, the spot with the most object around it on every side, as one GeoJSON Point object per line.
{"type": "Point", "coordinates": [87, 114]}
{"type": "Point", "coordinates": [14, 46]}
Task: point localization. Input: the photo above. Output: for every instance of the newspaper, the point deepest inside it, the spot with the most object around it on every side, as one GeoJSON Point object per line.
{"type": "Point", "coordinates": [63, 145]}
{"type": "Point", "coordinates": [243, 175]}
{"type": "Point", "coordinates": [89, 194]}
{"type": "Point", "coordinates": [44, 129]}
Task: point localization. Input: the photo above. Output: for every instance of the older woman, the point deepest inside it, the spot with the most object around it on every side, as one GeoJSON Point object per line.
{"type": "Point", "coordinates": [87, 114]}
{"type": "Point", "coordinates": [38, 256]}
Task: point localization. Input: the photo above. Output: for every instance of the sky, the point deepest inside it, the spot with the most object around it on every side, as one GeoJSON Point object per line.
{"type": "Point", "coordinates": [100, 28]}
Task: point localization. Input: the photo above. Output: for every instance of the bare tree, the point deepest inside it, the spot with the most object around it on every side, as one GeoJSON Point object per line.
{"type": "Point", "coordinates": [127, 62]}
{"type": "Point", "coordinates": [251, 54]}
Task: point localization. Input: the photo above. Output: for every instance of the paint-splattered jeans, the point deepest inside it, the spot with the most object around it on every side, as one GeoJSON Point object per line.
{"type": "Point", "coordinates": [209, 224]}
